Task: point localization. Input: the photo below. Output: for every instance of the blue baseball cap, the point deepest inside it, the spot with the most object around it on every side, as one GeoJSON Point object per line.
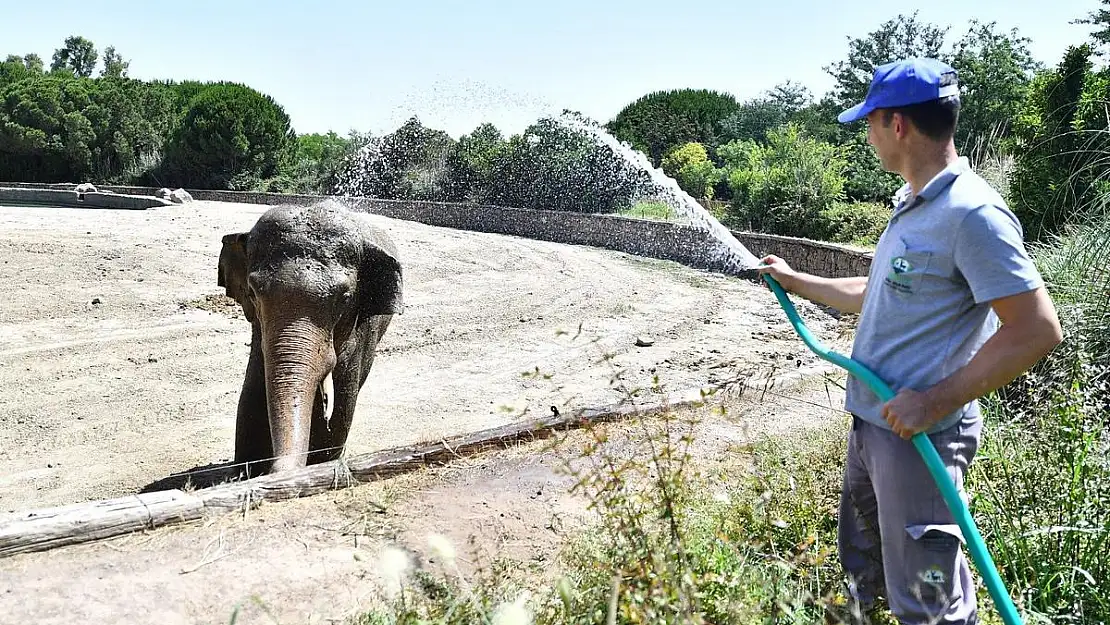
{"type": "Point", "coordinates": [905, 82]}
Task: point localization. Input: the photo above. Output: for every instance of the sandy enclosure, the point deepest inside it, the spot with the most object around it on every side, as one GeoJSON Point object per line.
{"type": "Point", "coordinates": [121, 362]}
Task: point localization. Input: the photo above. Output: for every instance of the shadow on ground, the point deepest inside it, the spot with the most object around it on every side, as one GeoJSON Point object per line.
{"type": "Point", "coordinates": [202, 476]}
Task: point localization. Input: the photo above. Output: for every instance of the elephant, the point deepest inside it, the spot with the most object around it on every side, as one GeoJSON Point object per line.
{"type": "Point", "coordinates": [320, 285]}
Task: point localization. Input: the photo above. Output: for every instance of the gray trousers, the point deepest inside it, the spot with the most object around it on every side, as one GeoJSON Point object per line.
{"type": "Point", "coordinates": [897, 537]}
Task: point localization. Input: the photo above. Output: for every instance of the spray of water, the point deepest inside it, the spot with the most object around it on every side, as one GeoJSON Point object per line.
{"type": "Point", "coordinates": [738, 256]}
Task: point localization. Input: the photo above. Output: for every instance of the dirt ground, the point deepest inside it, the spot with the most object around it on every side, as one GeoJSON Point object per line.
{"type": "Point", "coordinates": [120, 365]}
{"type": "Point", "coordinates": [322, 556]}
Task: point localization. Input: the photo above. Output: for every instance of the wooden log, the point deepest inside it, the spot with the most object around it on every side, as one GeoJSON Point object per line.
{"type": "Point", "coordinates": [43, 529]}
{"type": "Point", "coordinates": [76, 523]}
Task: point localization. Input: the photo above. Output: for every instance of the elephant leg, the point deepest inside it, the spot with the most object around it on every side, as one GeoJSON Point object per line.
{"type": "Point", "coordinates": [252, 424]}
{"type": "Point", "coordinates": [328, 438]}
{"type": "Point", "coordinates": [355, 359]}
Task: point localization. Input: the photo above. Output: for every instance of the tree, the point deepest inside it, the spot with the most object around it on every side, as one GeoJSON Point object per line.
{"type": "Point", "coordinates": [231, 137]}
{"type": "Point", "coordinates": [1099, 18]}
{"type": "Point", "coordinates": [114, 65]}
{"type": "Point", "coordinates": [662, 120]}
{"type": "Point", "coordinates": [56, 127]}
{"type": "Point", "coordinates": [790, 96]}
{"type": "Point", "coordinates": [33, 62]}
{"type": "Point", "coordinates": [317, 161]}
{"type": "Point", "coordinates": [994, 74]}
{"type": "Point", "coordinates": [409, 163]}
{"type": "Point", "coordinates": [553, 167]}
{"type": "Point", "coordinates": [470, 165]}
{"type": "Point", "coordinates": [753, 120]}
{"type": "Point", "coordinates": [1048, 182]}
{"type": "Point", "coordinates": [78, 55]}
{"type": "Point", "coordinates": [894, 39]}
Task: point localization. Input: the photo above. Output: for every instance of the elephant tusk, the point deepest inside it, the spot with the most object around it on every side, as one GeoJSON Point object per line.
{"type": "Point", "coordinates": [327, 390]}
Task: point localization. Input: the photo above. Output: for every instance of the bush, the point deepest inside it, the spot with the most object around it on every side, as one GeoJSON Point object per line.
{"type": "Point", "coordinates": [857, 223]}
{"type": "Point", "coordinates": [690, 166]}
{"type": "Point", "coordinates": [783, 187]}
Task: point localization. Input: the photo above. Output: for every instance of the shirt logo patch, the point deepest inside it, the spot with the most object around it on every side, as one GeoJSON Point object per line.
{"type": "Point", "coordinates": [899, 277]}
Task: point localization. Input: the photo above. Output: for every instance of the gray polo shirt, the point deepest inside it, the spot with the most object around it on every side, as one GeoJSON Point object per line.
{"type": "Point", "coordinates": [943, 257]}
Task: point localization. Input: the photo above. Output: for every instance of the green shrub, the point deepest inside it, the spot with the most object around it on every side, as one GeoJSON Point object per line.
{"type": "Point", "coordinates": [690, 166]}
{"type": "Point", "coordinates": [782, 187]}
{"type": "Point", "coordinates": [857, 223]}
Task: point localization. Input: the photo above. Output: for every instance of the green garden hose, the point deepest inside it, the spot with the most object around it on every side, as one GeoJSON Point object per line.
{"type": "Point", "coordinates": [975, 544]}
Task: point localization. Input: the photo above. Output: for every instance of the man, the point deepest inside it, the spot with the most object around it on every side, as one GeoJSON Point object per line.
{"type": "Point", "coordinates": [950, 265]}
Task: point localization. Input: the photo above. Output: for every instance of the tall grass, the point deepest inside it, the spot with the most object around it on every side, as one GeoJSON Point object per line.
{"type": "Point", "coordinates": [1043, 476]}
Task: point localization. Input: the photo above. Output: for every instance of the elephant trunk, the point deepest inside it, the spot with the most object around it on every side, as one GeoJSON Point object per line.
{"type": "Point", "coordinates": [299, 358]}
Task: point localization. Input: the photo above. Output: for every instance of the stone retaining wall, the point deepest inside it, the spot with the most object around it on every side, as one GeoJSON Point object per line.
{"type": "Point", "coordinates": [642, 237]}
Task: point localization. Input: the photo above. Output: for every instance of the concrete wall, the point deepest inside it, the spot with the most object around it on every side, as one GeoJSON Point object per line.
{"type": "Point", "coordinates": [69, 199]}
{"type": "Point", "coordinates": [642, 237]}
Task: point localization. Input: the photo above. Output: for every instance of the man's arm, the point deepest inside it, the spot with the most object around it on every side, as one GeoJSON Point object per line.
{"type": "Point", "coordinates": [843, 294]}
{"type": "Point", "coordinates": [1030, 330]}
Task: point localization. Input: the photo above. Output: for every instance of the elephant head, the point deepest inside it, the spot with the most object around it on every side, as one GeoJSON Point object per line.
{"type": "Point", "coordinates": [319, 285]}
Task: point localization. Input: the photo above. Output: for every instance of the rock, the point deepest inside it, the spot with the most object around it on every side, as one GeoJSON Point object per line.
{"type": "Point", "coordinates": [96, 301]}
{"type": "Point", "coordinates": [85, 187]}
{"type": "Point", "coordinates": [163, 193]}
{"type": "Point", "coordinates": [643, 341]}
{"type": "Point", "coordinates": [181, 196]}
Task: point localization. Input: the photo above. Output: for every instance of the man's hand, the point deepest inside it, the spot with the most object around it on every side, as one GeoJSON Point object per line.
{"type": "Point", "coordinates": [910, 412]}
{"type": "Point", "coordinates": [844, 294]}
{"type": "Point", "coordinates": [779, 270]}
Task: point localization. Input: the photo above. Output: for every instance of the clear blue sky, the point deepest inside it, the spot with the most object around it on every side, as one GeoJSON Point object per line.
{"type": "Point", "coordinates": [370, 65]}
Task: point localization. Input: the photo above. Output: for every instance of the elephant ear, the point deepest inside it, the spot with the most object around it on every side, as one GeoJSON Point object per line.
{"type": "Point", "coordinates": [232, 270]}
{"type": "Point", "coordinates": [380, 279]}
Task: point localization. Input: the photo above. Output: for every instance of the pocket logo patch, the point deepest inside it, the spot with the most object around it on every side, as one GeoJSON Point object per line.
{"type": "Point", "coordinates": [899, 277]}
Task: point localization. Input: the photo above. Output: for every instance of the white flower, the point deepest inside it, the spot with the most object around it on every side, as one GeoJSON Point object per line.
{"type": "Point", "coordinates": [442, 548]}
{"type": "Point", "coordinates": [393, 566]}
{"type": "Point", "coordinates": [514, 613]}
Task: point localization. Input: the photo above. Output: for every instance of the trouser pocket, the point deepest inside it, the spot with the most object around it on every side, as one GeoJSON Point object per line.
{"type": "Point", "coordinates": [935, 568]}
